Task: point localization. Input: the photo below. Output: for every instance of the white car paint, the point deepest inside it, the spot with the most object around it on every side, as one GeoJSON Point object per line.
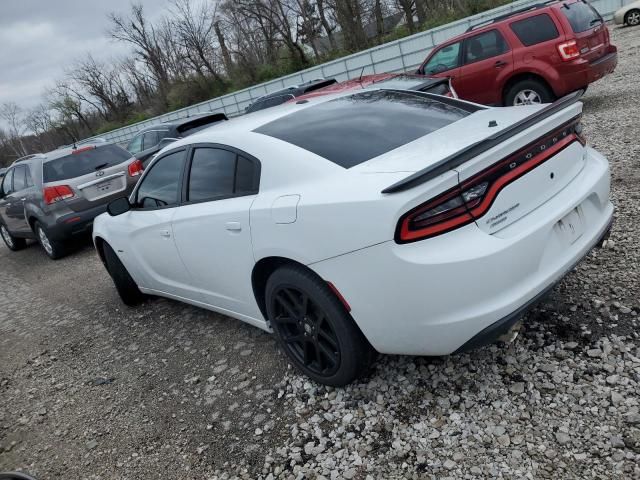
{"type": "Point", "coordinates": [424, 298]}
{"type": "Point", "coordinates": [620, 15]}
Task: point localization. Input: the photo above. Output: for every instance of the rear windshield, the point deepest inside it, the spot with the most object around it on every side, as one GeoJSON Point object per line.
{"type": "Point", "coordinates": [351, 130]}
{"type": "Point", "coordinates": [269, 102]}
{"type": "Point", "coordinates": [84, 162]}
{"type": "Point", "coordinates": [581, 16]}
{"type": "Point", "coordinates": [198, 124]}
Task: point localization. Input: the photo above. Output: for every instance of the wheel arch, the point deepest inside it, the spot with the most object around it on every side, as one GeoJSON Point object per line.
{"type": "Point", "coordinates": [99, 243]}
{"type": "Point", "coordinates": [518, 77]}
{"type": "Point", "coordinates": [261, 272]}
{"type": "Point", "coordinates": [629, 12]}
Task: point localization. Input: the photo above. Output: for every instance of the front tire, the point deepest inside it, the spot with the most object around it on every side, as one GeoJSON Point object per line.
{"type": "Point", "coordinates": [125, 285]}
{"type": "Point", "coordinates": [12, 243]}
{"type": "Point", "coordinates": [528, 92]}
{"type": "Point", "coordinates": [53, 248]}
{"type": "Point", "coordinates": [314, 328]}
{"type": "Point", "coordinates": [632, 18]}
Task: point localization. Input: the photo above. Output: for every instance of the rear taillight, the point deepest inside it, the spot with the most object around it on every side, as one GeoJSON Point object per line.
{"type": "Point", "coordinates": [569, 50]}
{"type": "Point", "coordinates": [469, 201]}
{"type": "Point", "coordinates": [57, 194]}
{"type": "Point", "coordinates": [136, 168]}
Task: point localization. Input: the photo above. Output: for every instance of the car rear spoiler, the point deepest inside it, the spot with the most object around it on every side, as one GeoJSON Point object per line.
{"type": "Point", "coordinates": [475, 149]}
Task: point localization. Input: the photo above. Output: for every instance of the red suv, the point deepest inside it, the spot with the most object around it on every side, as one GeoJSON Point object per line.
{"type": "Point", "coordinates": [533, 55]}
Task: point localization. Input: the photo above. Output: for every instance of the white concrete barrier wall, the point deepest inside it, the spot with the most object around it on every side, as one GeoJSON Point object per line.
{"type": "Point", "coordinates": [401, 55]}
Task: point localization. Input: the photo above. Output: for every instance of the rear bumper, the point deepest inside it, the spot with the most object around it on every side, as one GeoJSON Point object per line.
{"type": "Point", "coordinates": [74, 224]}
{"type": "Point", "coordinates": [434, 296]}
{"type": "Point", "coordinates": [582, 73]}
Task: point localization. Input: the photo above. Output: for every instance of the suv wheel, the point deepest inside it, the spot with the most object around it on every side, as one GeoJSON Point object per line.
{"type": "Point", "coordinates": [314, 329]}
{"type": "Point", "coordinates": [12, 242]}
{"type": "Point", "coordinates": [632, 18]}
{"type": "Point", "coordinates": [125, 285]}
{"type": "Point", "coordinates": [52, 248]}
{"type": "Point", "coordinates": [528, 92]}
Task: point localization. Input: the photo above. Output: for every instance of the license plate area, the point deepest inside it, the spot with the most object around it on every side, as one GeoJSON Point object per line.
{"type": "Point", "coordinates": [104, 189]}
{"type": "Point", "coordinates": [571, 227]}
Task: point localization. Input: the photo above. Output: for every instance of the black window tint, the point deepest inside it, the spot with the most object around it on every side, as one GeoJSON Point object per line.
{"type": "Point", "coordinates": [6, 182]}
{"type": "Point", "coordinates": [83, 162]}
{"type": "Point", "coordinates": [161, 186]}
{"type": "Point", "coordinates": [581, 16]}
{"type": "Point", "coordinates": [246, 176]}
{"type": "Point", "coordinates": [212, 174]}
{"type": "Point", "coordinates": [353, 129]}
{"type": "Point", "coordinates": [534, 30]}
{"type": "Point", "coordinates": [150, 139]}
{"type": "Point", "coordinates": [19, 178]}
{"type": "Point", "coordinates": [135, 145]}
{"type": "Point", "coordinates": [483, 46]}
{"type": "Point", "coordinates": [270, 102]}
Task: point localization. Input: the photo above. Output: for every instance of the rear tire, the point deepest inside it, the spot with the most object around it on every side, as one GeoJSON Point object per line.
{"type": "Point", "coordinates": [12, 243]}
{"type": "Point", "coordinates": [632, 18]}
{"type": "Point", "coordinates": [53, 248]}
{"type": "Point", "coordinates": [314, 328]}
{"type": "Point", "coordinates": [125, 285]}
{"type": "Point", "coordinates": [528, 92]}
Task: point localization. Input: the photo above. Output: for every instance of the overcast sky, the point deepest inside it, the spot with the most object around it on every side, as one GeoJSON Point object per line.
{"type": "Point", "coordinates": [40, 38]}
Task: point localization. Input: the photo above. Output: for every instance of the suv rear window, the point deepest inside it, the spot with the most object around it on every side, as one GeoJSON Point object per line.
{"type": "Point", "coordinates": [534, 30]}
{"type": "Point", "coordinates": [581, 16]}
{"type": "Point", "coordinates": [84, 162]}
{"type": "Point", "coordinates": [364, 125]}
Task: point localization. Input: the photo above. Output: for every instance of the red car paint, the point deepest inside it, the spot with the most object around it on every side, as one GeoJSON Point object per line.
{"type": "Point", "coordinates": [589, 56]}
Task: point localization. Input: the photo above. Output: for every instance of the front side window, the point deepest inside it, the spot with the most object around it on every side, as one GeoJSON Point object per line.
{"type": "Point", "coordinates": [19, 178]}
{"type": "Point", "coordinates": [135, 145]}
{"type": "Point", "coordinates": [6, 183]}
{"type": "Point", "coordinates": [150, 139]}
{"type": "Point", "coordinates": [444, 59]}
{"type": "Point", "coordinates": [486, 45]}
{"type": "Point", "coordinates": [161, 186]}
{"type": "Point", "coordinates": [534, 30]}
{"type": "Point", "coordinates": [217, 173]}
{"type": "Point", "coordinates": [29, 180]}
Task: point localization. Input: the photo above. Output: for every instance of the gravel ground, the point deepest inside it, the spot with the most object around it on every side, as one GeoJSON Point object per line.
{"type": "Point", "coordinates": [90, 389]}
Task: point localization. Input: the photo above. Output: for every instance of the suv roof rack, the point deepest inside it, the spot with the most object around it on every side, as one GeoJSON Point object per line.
{"type": "Point", "coordinates": [530, 8]}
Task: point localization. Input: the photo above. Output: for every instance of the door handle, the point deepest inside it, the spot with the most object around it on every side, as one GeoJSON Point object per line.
{"type": "Point", "coordinates": [165, 233]}
{"type": "Point", "coordinates": [233, 226]}
{"type": "Point", "coordinates": [500, 64]}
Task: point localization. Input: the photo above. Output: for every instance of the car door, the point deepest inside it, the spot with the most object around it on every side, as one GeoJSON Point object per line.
{"type": "Point", "coordinates": [149, 244]}
{"type": "Point", "coordinates": [487, 62]}
{"type": "Point", "coordinates": [212, 230]}
{"type": "Point", "coordinates": [444, 62]}
{"type": "Point", "coordinates": [16, 220]}
{"type": "Point", "coordinates": [5, 201]}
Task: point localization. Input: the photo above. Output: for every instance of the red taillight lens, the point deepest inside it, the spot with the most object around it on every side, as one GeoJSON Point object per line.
{"type": "Point", "coordinates": [469, 201]}
{"type": "Point", "coordinates": [569, 50]}
{"type": "Point", "coordinates": [56, 194]}
{"type": "Point", "coordinates": [136, 168]}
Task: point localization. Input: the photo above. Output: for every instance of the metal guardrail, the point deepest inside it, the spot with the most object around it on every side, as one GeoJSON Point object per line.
{"type": "Point", "coordinates": [401, 55]}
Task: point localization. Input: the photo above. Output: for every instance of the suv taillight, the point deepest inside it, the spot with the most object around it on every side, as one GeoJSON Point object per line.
{"type": "Point", "coordinates": [55, 194]}
{"type": "Point", "coordinates": [469, 201]}
{"type": "Point", "coordinates": [136, 168]}
{"type": "Point", "coordinates": [569, 50]}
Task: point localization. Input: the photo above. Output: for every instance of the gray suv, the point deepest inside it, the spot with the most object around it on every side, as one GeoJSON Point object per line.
{"type": "Point", "coordinates": [54, 197]}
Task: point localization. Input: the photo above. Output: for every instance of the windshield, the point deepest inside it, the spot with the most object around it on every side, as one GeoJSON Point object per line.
{"type": "Point", "coordinates": [82, 162]}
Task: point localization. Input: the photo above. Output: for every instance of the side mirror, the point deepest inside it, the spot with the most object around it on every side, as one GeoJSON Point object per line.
{"type": "Point", "coordinates": [119, 206]}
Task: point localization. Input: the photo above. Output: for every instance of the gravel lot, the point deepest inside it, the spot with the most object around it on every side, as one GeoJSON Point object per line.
{"type": "Point", "coordinates": [91, 389]}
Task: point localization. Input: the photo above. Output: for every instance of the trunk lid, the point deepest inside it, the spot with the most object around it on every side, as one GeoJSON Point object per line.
{"type": "Point", "coordinates": [95, 175]}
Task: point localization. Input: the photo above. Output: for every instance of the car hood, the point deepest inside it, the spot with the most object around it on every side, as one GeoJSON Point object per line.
{"type": "Point", "coordinates": [431, 148]}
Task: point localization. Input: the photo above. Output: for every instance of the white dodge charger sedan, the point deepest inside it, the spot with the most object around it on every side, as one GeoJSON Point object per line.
{"type": "Point", "coordinates": [383, 221]}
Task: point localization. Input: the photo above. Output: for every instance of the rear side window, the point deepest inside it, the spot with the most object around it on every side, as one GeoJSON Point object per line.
{"type": "Point", "coordinates": [581, 16]}
{"type": "Point", "coordinates": [483, 46]}
{"type": "Point", "coordinates": [534, 30]}
{"type": "Point", "coordinates": [83, 161]}
{"type": "Point", "coordinates": [353, 129]}
{"type": "Point", "coordinates": [217, 173]}
{"type": "Point", "coordinates": [161, 186]}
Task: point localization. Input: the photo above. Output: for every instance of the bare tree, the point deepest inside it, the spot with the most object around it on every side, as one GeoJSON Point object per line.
{"type": "Point", "coordinates": [14, 118]}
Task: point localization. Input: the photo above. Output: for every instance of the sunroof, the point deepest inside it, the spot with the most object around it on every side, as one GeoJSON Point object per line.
{"type": "Point", "coordinates": [353, 129]}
